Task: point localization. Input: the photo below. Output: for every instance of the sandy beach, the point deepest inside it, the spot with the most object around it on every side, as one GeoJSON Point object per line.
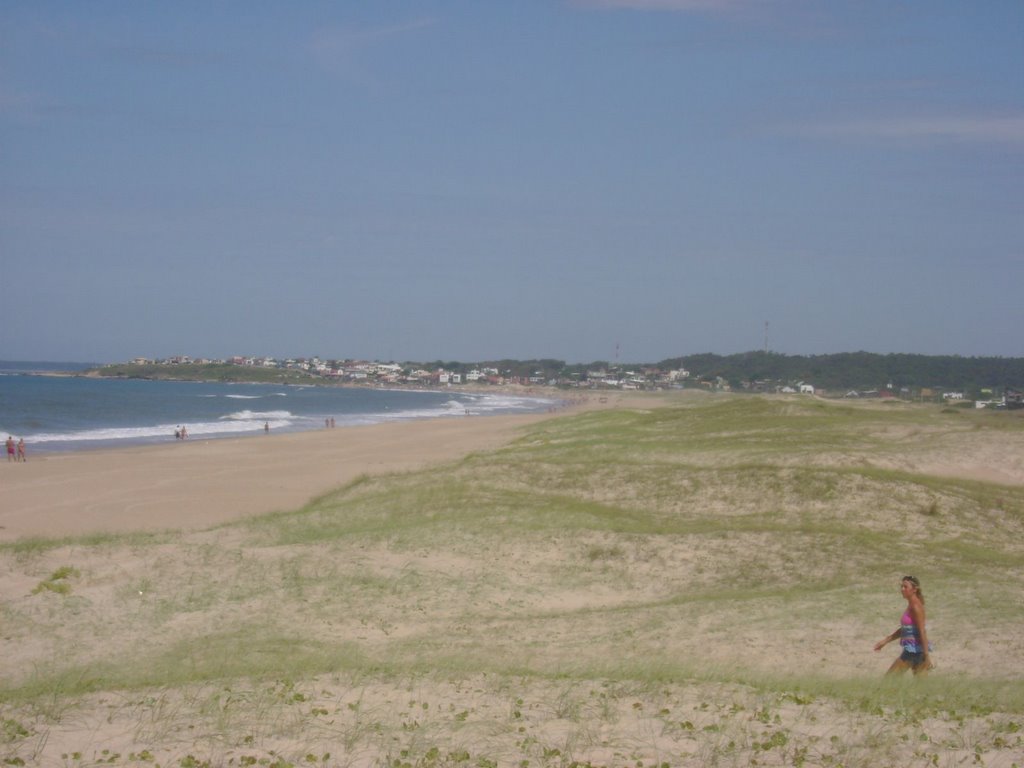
{"type": "Point", "coordinates": [197, 484]}
{"type": "Point", "coordinates": [689, 585]}
{"type": "Point", "coordinates": [202, 483]}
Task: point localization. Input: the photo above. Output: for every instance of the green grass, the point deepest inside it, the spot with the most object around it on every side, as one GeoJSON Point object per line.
{"type": "Point", "coordinates": [608, 569]}
{"type": "Point", "coordinates": [34, 546]}
{"type": "Point", "coordinates": [208, 372]}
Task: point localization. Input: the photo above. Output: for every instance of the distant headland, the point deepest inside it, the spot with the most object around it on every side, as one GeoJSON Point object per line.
{"type": "Point", "coordinates": [985, 380]}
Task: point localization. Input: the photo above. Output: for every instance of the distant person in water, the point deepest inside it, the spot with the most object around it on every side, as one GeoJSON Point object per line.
{"type": "Point", "coordinates": [10, 448]}
{"type": "Point", "coordinates": [912, 634]}
{"type": "Point", "coordinates": [266, 426]}
{"type": "Point", "coordinates": [21, 449]}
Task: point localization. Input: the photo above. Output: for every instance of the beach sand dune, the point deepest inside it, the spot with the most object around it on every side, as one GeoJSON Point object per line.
{"type": "Point", "coordinates": [677, 588]}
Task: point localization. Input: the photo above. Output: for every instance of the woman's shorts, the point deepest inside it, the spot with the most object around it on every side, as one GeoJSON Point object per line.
{"type": "Point", "coordinates": [914, 659]}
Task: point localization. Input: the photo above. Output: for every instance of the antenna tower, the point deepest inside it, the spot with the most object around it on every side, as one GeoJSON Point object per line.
{"type": "Point", "coordinates": [766, 336]}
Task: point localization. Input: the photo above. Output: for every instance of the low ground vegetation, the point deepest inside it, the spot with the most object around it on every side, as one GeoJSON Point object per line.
{"type": "Point", "coordinates": [694, 584]}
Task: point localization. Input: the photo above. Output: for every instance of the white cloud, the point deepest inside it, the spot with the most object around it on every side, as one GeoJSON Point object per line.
{"type": "Point", "coordinates": [657, 5]}
{"type": "Point", "coordinates": [1003, 129]}
{"type": "Point", "coordinates": [20, 105]}
{"type": "Point", "coordinates": [713, 6]}
{"type": "Point", "coordinates": [334, 48]}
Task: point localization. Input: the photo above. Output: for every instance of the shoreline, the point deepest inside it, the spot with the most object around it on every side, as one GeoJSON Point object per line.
{"type": "Point", "coordinates": [203, 482]}
{"type": "Point", "coordinates": [158, 428]}
{"type": "Point", "coordinates": [208, 481]}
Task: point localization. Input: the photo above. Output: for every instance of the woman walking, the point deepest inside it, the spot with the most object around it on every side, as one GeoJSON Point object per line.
{"type": "Point", "coordinates": [912, 634]}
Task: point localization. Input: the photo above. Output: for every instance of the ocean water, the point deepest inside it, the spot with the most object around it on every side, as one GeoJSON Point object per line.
{"type": "Point", "coordinates": [69, 413]}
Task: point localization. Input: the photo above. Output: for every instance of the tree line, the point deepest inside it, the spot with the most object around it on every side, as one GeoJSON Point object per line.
{"type": "Point", "coordinates": [845, 370]}
{"type": "Point", "coordinates": [862, 370]}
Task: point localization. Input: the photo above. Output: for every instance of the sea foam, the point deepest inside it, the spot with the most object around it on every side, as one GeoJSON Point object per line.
{"type": "Point", "coordinates": [70, 413]}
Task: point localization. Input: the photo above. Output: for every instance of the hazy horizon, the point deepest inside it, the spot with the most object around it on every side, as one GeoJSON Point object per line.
{"type": "Point", "coordinates": [85, 363]}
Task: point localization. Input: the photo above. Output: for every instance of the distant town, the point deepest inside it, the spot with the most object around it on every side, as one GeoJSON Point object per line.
{"type": "Point", "coordinates": [839, 376]}
{"type": "Point", "coordinates": [411, 374]}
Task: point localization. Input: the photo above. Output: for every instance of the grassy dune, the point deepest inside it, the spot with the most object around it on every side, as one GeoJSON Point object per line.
{"type": "Point", "coordinates": [698, 583]}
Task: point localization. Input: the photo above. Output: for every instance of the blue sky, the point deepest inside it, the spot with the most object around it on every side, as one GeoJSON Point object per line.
{"type": "Point", "coordinates": [480, 180]}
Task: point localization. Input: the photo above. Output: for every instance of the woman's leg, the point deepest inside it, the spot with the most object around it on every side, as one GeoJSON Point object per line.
{"type": "Point", "coordinates": [898, 667]}
{"type": "Point", "coordinates": [922, 669]}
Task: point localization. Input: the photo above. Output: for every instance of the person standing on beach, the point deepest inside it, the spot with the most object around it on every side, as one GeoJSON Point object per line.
{"type": "Point", "coordinates": [21, 449]}
{"type": "Point", "coordinates": [10, 448]}
{"type": "Point", "coordinates": [912, 634]}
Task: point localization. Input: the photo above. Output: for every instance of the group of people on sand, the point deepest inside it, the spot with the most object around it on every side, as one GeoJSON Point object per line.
{"type": "Point", "coordinates": [15, 452]}
{"type": "Point", "coordinates": [180, 433]}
